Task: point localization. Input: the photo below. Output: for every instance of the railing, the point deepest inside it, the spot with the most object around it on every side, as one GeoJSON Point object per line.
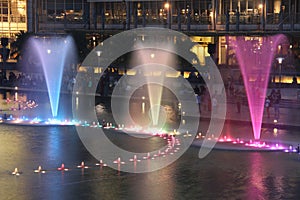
{"type": "Point", "coordinates": [272, 22]}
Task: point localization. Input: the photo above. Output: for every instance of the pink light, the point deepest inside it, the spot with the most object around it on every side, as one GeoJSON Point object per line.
{"type": "Point", "coordinates": [147, 157]}
{"type": "Point", "coordinates": [118, 161]}
{"type": "Point", "coordinates": [62, 168]}
{"type": "Point", "coordinates": [134, 159]}
{"type": "Point", "coordinates": [255, 58]}
{"type": "Point", "coordinates": [158, 154]}
{"type": "Point", "coordinates": [101, 164]}
{"type": "Point", "coordinates": [82, 166]}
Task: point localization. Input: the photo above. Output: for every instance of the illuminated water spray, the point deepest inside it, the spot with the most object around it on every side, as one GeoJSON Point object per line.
{"type": "Point", "coordinates": [255, 57]}
{"type": "Point", "coordinates": [54, 54]}
{"type": "Point", "coordinates": [154, 60]}
{"type": "Point", "coordinates": [155, 93]}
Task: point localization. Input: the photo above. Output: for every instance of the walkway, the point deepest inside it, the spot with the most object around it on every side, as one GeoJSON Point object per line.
{"type": "Point", "coordinates": [289, 114]}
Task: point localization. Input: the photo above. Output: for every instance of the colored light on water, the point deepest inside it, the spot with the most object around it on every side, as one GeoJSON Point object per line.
{"type": "Point", "coordinates": [16, 172]}
{"type": "Point", "coordinates": [118, 161]}
{"type": "Point", "coordinates": [40, 170]}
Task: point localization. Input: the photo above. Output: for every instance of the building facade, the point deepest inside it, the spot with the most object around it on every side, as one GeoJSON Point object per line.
{"type": "Point", "coordinates": [13, 17]}
{"type": "Point", "coordinates": [206, 21]}
{"type": "Point", "coordinates": [182, 15]}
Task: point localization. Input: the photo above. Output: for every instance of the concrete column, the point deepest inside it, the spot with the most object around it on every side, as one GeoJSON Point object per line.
{"type": "Point", "coordinates": [135, 17]}
{"type": "Point", "coordinates": [227, 20]}
{"type": "Point", "coordinates": [263, 14]}
{"type": "Point", "coordinates": [86, 15]}
{"type": "Point", "coordinates": [36, 16]}
{"type": "Point", "coordinates": [179, 19]}
{"type": "Point", "coordinates": [297, 9]}
{"type": "Point", "coordinates": [292, 18]}
{"type": "Point", "coordinates": [102, 10]}
{"type": "Point", "coordinates": [128, 13]}
{"type": "Point", "coordinates": [216, 11]}
{"type": "Point", "coordinates": [189, 20]}
{"type": "Point", "coordinates": [281, 18]}
{"type": "Point", "coordinates": [94, 14]}
{"type": "Point", "coordinates": [144, 14]}
{"type": "Point", "coordinates": [29, 15]}
{"type": "Point", "coordinates": [290, 11]}
{"type": "Point", "coordinates": [237, 19]}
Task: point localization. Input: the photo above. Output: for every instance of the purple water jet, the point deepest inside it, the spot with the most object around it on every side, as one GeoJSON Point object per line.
{"type": "Point", "coordinates": [54, 54]}
{"type": "Point", "coordinates": [255, 56]}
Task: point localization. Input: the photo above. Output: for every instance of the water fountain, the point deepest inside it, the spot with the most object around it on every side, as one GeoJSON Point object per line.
{"type": "Point", "coordinates": [50, 55]}
{"type": "Point", "coordinates": [54, 54]}
{"type": "Point", "coordinates": [255, 57]}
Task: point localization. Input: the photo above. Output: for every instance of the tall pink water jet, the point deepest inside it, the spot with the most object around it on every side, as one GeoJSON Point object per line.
{"type": "Point", "coordinates": [255, 56]}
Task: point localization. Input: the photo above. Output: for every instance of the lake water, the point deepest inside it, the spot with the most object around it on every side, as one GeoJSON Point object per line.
{"type": "Point", "coordinates": [220, 175]}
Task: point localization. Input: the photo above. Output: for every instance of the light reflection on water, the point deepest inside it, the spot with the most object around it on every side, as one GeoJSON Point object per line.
{"type": "Point", "coordinates": [221, 175]}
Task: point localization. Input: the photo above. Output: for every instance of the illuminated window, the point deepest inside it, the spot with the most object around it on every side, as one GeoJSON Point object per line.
{"type": "Point", "coordinates": [12, 17]}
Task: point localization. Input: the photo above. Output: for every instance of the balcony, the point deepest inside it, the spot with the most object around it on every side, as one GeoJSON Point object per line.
{"type": "Point", "coordinates": [245, 22]}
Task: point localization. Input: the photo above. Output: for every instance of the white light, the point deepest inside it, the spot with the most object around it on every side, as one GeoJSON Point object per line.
{"type": "Point", "coordinates": [48, 51]}
{"type": "Point", "coordinates": [279, 47]}
{"type": "Point", "coordinates": [280, 59]}
{"type": "Point", "coordinates": [98, 53]}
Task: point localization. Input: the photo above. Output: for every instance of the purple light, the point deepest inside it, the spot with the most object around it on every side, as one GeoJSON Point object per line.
{"type": "Point", "coordinates": [54, 53]}
{"type": "Point", "coordinates": [255, 56]}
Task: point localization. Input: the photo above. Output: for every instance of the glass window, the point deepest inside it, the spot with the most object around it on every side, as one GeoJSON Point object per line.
{"type": "Point", "coordinates": [12, 17]}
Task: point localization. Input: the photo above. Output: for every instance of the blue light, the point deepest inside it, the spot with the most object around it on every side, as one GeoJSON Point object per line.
{"type": "Point", "coordinates": [53, 55]}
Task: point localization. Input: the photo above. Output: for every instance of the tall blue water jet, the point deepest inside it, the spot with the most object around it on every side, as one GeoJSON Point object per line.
{"type": "Point", "coordinates": [54, 54]}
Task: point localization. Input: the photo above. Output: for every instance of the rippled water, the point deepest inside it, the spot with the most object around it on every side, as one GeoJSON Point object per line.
{"type": "Point", "coordinates": [221, 175]}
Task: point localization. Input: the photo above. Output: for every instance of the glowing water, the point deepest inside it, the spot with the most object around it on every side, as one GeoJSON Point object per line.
{"type": "Point", "coordinates": [255, 57]}
{"type": "Point", "coordinates": [154, 59]}
{"type": "Point", "coordinates": [155, 93]}
{"type": "Point", "coordinates": [54, 54]}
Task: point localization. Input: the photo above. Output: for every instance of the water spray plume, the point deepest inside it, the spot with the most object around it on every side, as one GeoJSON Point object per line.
{"type": "Point", "coordinates": [255, 57]}
{"type": "Point", "coordinates": [54, 54]}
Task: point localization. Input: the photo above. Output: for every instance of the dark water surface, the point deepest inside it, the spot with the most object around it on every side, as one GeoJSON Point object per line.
{"type": "Point", "coordinates": [221, 175]}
